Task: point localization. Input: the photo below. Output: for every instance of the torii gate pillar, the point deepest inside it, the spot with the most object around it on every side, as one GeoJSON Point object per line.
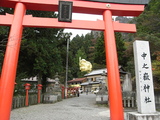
{"type": "Point", "coordinates": [114, 89]}
{"type": "Point", "coordinates": [10, 63]}
{"type": "Point", "coordinates": [20, 20]}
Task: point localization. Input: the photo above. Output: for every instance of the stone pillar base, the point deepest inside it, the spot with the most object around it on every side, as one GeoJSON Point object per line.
{"type": "Point", "coordinates": [102, 99]}
{"type": "Point", "coordinates": [138, 116]}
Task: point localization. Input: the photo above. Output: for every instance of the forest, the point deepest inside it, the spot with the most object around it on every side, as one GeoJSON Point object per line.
{"type": "Point", "coordinates": [43, 50]}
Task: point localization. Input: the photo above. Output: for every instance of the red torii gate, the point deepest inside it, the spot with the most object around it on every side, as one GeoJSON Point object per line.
{"type": "Point", "coordinates": [20, 20]}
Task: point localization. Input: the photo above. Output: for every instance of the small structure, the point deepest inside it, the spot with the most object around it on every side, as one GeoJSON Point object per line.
{"type": "Point", "coordinates": [76, 82]}
{"type": "Point", "coordinates": [127, 84]}
{"type": "Point", "coordinates": [102, 95]}
{"type": "Point", "coordinates": [53, 90]}
{"type": "Point", "coordinates": [33, 81]}
{"type": "Point", "coordinates": [96, 77]}
{"type": "Point", "coordinates": [128, 93]}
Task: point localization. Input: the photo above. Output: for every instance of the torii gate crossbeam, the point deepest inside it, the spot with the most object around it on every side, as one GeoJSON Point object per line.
{"type": "Point", "coordinates": [29, 21]}
{"type": "Point", "coordinates": [20, 20]}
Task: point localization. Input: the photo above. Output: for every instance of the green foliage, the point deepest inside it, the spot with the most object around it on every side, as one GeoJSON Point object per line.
{"type": "Point", "coordinates": [122, 59]}
{"type": "Point", "coordinates": [148, 24]}
{"type": "Point", "coordinates": [99, 57]}
{"type": "Point", "coordinates": [79, 47]}
{"type": "Point", "coordinates": [4, 31]}
{"type": "Point", "coordinates": [156, 68]}
{"type": "Point", "coordinates": [100, 50]}
{"type": "Point", "coordinates": [43, 55]}
{"type": "Point", "coordinates": [43, 50]}
{"type": "Point", "coordinates": [3, 42]}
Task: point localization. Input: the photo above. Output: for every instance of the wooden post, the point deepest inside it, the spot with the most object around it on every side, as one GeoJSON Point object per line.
{"type": "Point", "coordinates": [26, 102]}
{"type": "Point", "coordinates": [39, 92]}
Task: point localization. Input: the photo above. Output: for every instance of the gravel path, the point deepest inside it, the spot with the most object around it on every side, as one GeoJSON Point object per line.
{"type": "Point", "coordinates": [77, 108]}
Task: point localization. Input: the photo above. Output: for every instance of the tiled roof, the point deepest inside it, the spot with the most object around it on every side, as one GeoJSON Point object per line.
{"type": "Point", "coordinates": [101, 71]}
{"type": "Point", "coordinates": [31, 79]}
{"type": "Point", "coordinates": [35, 79]}
{"type": "Point", "coordinates": [96, 72]}
{"type": "Point", "coordinates": [76, 80]}
{"type": "Point", "coordinates": [89, 83]}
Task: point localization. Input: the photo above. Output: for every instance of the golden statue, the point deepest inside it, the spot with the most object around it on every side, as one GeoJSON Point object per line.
{"type": "Point", "coordinates": [85, 65]}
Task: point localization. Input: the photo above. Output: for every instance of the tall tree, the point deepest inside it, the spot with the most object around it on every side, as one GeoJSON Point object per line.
{"type": "Point", "coordinates": [4, 31]}
{"type": "Point", "coordinates": [43, 51]}
{"type": "Point", "coordinates": [122, 59]}
{"type": "Point", "coordinates": [79, 47]}
{"type": "Point", "coordinates": [148, 24]}
{"type": "Point", "coordinates": [100, 50]}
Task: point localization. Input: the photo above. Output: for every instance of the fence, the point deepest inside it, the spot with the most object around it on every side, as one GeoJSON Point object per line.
{"type": "Point", "coordinates": [157, 98]}
{"type": "Point", "coordinates": [19, 101]}
{"type": "Point", "coordinates": [128, 102]}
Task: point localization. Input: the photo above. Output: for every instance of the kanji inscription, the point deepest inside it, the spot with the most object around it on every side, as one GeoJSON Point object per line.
{"type": "Point", "coordinates": [144, 79]}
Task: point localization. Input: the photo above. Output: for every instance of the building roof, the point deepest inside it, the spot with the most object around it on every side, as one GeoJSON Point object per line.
{"type": "Point", "coordinates": [102, 71]}
{"type": "Point", "coordinates": [96, 72]}
{"type": "Point", "coordinates": [31, 79]}
{"type": "Point", "coordinates": [35, 79]}
{"type": "Point", "coordinates": [50, 80]}
{"type": "Point", "coordinates": [76, 80]}
{"type": "Point", "coordinates": [89, 83]}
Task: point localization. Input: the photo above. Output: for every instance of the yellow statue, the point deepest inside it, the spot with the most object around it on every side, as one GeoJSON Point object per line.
{"type": "Point", "coordinates": [85, 65]}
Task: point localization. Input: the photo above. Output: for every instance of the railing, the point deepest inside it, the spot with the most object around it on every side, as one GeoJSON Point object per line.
{"type": "Point", "coordinates": [19, 101]}
{"type": "Point", "coordinates": [129, 102]}
{"type": "Point", "coordinates": [157, 99]}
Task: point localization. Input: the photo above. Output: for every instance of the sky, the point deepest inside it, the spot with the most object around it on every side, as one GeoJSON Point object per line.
{"type": "Point", "coordinates": [78, 16]}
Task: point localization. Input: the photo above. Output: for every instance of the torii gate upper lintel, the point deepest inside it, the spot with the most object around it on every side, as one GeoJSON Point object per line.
{"type": "Point", "coordinates": [87, 7]}
{"type": "Point", "coordinates": [20, 20]}
{"type": "Point", "coordinates": [79, 7]}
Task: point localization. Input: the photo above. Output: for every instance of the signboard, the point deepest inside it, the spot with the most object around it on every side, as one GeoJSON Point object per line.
{"type": "Point", "coordinates": [144, 79]}
{"type": "Point", "coordinates": [142, 2]}
{"type": "Point", "coordinates": [65, 11]}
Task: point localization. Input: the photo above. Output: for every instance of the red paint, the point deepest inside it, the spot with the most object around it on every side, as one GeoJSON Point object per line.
{"type": "Point", "coordinates": [30, 21]}
{"type": "Point", "coordinates": [10, 63]}
{"type": "Point", "coordinates": [107, 25]}
{"type": "Point", "coordinates": [87, 7]}
{"type": "Point", "coordinates": [114, 87]}
{"type": "Point", "coordinates": [39, 92]}
{"type": "Point", "coordinates": [63, 92]}
{"type": "Point", "coordinates": [27, 88]}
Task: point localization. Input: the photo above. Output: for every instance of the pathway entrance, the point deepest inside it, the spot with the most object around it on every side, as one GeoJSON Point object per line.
{"type": "Point", "coordinates": [20, 20]}
{"type": "Point", "coordinates": [77, 108]}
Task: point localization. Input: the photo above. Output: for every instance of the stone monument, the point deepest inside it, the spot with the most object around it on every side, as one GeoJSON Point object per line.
{"type": "Point", "coordinates": [127, 85]}
{"type": "Point", "coordinates": [144, 84]}
{"type": "Point", "coordinates": [53, 91]}
{"type": "Point", "coordinates": [102, 95]}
